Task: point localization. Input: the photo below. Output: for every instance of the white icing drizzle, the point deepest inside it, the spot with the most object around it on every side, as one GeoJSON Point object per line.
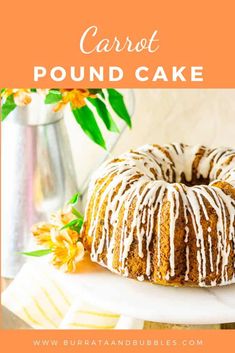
{"type": "Point", "coordinates": [128, 196]}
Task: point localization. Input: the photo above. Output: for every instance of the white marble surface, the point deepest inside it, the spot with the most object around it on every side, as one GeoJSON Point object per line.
{"type": "Point", "coordinates": [143, 300]}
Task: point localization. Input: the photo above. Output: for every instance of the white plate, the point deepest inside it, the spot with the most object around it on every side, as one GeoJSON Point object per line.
{"type": "Point", "coordinates": [146, 301]}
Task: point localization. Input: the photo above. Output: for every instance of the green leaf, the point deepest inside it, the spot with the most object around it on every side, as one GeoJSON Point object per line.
{"type": "Point", "coordinates": [117, 103]}
{"type": "Point", "coordinates": [75, 225]}
{"type": "Point", "coordinates": [34, 90]}
{"type": "Point", "coordinates": [85, 118]}
{"type": "Point", "coordinates": [37, 253]}
{"type": "Point", "coordinates": [74, 199]}
{"type": "Point", "coordinates": [53, 96]}
{"type": "Point", "coordinates": [102, 94]}
{"type": "Point", "coordinates": [95, 90]}
{"type": "Point", "coordinates": [69, 225]}
{"type": "Point", "coordinates": [7, 107]}
{"type": "Point", "coordinates": [77, 213]}
{"type": "Point", "coordinates": [104, 114]}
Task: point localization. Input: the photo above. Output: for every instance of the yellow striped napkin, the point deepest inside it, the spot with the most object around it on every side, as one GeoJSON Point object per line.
{"type": "Point", "coordinates": [40, 298]}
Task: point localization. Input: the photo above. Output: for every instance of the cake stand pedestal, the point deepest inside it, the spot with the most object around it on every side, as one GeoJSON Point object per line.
{"type": "Point", "coordinates": [143, 300]}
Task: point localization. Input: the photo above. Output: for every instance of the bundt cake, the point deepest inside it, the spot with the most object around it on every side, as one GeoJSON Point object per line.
{"type": "Point", "coordinates": [165, 214]}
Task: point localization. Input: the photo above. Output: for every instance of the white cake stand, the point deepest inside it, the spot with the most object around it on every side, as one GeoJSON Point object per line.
{"type": "Point", "coordinates": [145, 301]}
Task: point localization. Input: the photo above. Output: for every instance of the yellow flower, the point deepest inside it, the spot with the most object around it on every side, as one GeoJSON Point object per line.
{"type": "Point", "coordinates": [67, 249]}
{"type": "Point", "coordinates": [43, 91]}
{"type": "Point", "coordinates": [74, 96]}
{"type": "Point", "coordinates": [21, 96]}
{"type": "Point", "coordinates": [42, 234]}
{"type": "Point", "coordinates": [62, 217]}
{"type": "Point", "coordinates": [67, 254]}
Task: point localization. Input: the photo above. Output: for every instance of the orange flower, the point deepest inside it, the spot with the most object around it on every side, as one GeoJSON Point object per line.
{"type": "Point", "coordinates": [42, 234]}
{"type": "Point", "coordinates": [21, 96]}
{"type": "Point", "coordinates": [74, 96]}
{"type": "Point", "coordinates": [67, 254]}
{"type": "Point", "coordinates": [62, 217]}
{"type": "Point", "coordinates": [66, 248]}
{"type": "Point", "coordinates": [43, 91]}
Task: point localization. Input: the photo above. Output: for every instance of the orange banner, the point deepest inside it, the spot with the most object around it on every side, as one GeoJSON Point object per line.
{"type": "Point", "coordinates": [172, 341]}
{"type": "Point", "coordinates": [118, 44]}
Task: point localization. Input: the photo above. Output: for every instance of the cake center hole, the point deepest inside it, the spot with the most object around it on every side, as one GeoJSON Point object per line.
{"type": "Point", "coordinates": [194, 181]}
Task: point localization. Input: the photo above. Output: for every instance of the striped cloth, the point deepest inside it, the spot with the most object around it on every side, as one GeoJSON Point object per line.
{"type": "Point", "coordinates": [40, 298]}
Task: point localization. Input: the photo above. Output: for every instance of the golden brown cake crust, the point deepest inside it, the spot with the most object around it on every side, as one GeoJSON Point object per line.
{"type": "Point", "coordinates": [165, 214]}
